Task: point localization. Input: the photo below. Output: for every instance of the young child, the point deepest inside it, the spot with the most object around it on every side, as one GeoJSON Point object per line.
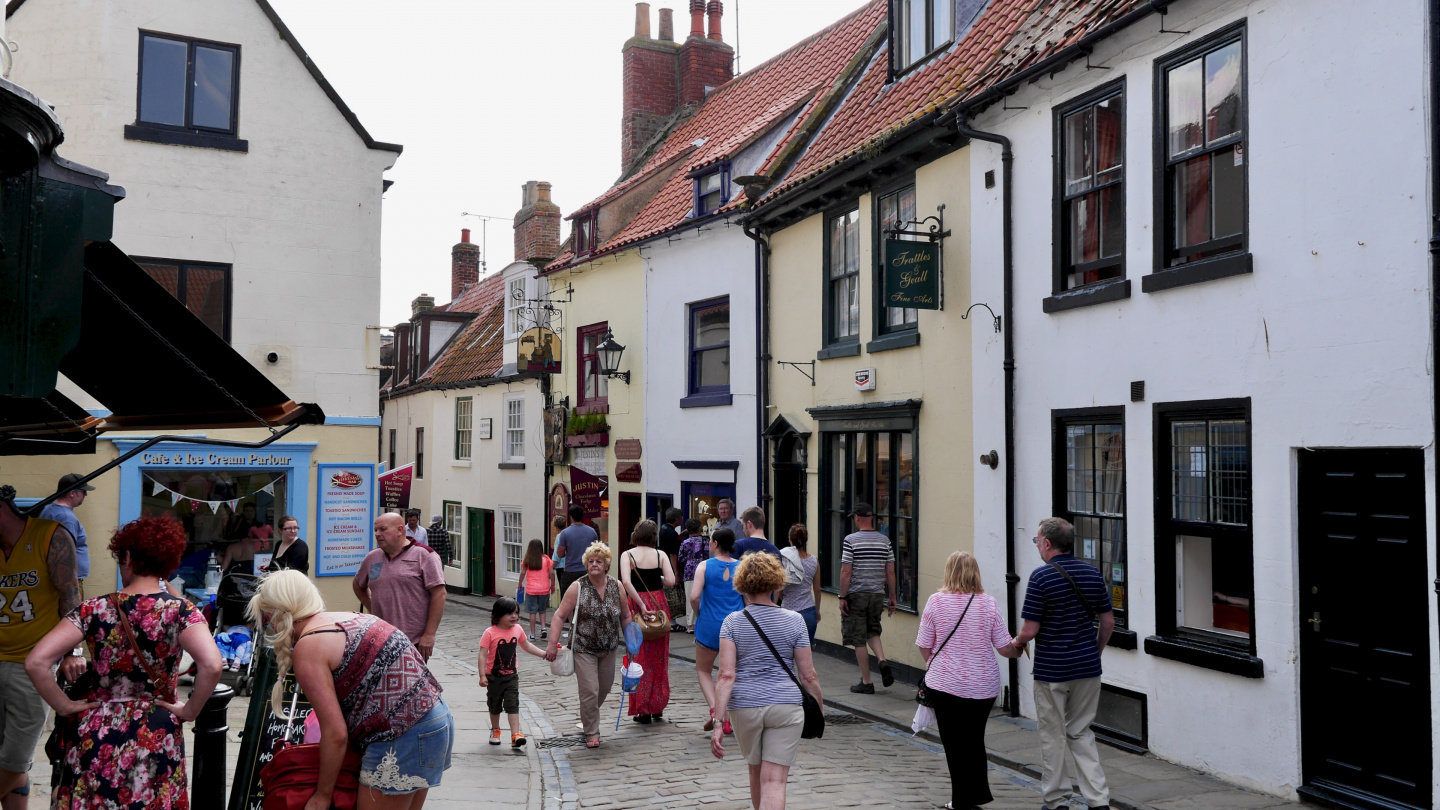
{"type": "Point", "coordinates": [499, 669]}
{"type": "Point", "coordinates": [539, 576]}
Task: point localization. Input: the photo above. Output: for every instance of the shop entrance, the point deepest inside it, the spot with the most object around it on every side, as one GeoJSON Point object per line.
{"type": "Point", "coordinates": [480, 548]}
{"type": "Point", "coordinates": [630, 515]}
{"type": "Point", "coordinates": [1364, 674]}
{"type": "Point", "coordinates": [222, 510]}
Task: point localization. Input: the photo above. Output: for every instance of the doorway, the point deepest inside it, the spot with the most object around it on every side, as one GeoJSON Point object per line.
{"type": "Point", "coordinates": [790, 485]}
{"type": "Point", "coordinates": [480, 544]}
{"type": "Point", "coordinates": [1364, 663]}
{"type": "Point", "coordinates": [630, 514]}
{"type": "Point", "coordinates": [655, 506]}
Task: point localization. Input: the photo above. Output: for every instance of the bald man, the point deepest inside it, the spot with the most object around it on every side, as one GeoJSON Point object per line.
{"type": "Point", "coordinates": [403, 583]}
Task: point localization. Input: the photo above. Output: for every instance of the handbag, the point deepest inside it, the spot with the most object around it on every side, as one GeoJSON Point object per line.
{"type": "Point", "coordinates": [66, 733]}
{"type": "Point", "coordinates": [922, 693]}
{"type": "Point", "coordinates": [292, 774]}
{"type": "Point", "coordinates": [564, 664]}
{"type": "Point", "coordinates": [654, 624]}
{"type": "Point", "coordinates": [164, 685]}
{"type": "Point", "coordinates": [814, 727]}
{"type": "Point", "coordinates": [675, 600]}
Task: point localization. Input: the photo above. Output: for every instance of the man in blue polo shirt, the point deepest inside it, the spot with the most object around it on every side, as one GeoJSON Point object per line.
{"type": "Point", "coordinates": [1064, 601]}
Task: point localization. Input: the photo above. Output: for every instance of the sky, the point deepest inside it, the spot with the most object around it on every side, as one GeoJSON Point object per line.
{"type": "Point", "coordinates": [487, 94]}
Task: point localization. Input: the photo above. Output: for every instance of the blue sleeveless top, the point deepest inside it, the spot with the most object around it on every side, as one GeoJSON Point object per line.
{"type": "Point", "coordinates": [717, 601]}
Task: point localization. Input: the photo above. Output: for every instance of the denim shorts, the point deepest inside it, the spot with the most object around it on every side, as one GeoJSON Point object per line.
{"type": "Point", "coordinates": [413, 761]}
{"type": "Point", "coordinates": [537, 604]}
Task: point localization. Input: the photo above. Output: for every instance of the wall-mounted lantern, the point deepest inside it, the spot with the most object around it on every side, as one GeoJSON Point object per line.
{"type": "Point", "coordinates": [609, 353]}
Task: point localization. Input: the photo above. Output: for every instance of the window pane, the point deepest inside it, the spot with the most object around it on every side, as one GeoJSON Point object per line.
{"type": "Point", "coordinates": [906, 559]}
{"type": "Point", "coordinates": [940, 31]}
{"type": "Point", "coordinates": [713, 368]}
{"type": "Point", "coordinates": [852, 242]}
{"type": "Point", "coordinates": [1215, 581]}
{"type": "Point", "coordinates": [1230, 472]}
{"type": "Point", "coordinates": [710, 202]}
{"type": "Point", "coordinates": [1085, 228]}
{"type": "Point", "coordinates": [1087, 539]}
{"type": "Point", "coordinates": [883, 473]}
{"type": "Point", "coordinates": [1229, 191]}
{"type": "Point", "coordinates": [1109, 469]}
{"type": "Point", "coordinates": [712, 326]}
{"type": "Point", "coordinates": [1079, 468]}
{"type": "Point", "coordinates": [162, 81]}
{"type": "Point", "coordinates": [864, 474]}
{"type": "Point", "coordinates": [1113, 565]}
{"type": "Point", "coordinates": [1112, 222]}
{"type": "Point", "coordinates": [838, 479]}
{"type": "Point", "coordinates": [1192, 202]}
{"type": "Point", "coordinates": [905, 471]}
{"type": "Point", "coordinates": [205, 296]}
{"type": "Point", "coordinates": [1186, 107]}
{"type": "Point", "coordinates": [1079, 159]}
{"type": "Point", "coordinates": [915, 17]}
{"type": "Point", "coordinates": [1189, 462]}
{"type": "Point", "coordinates": [214, 80]}
{"type": "Point", "coordinates": [167, 274]}
{"type": "Point", "coordinates": [1109, 122]}
{"type": "Point", "coordinates": [1222, 92]}
{"type": "Point", "coordinates": [709, 183]}
{"type": "Point", "coordinates": [590, 379]}
{"type": "Point", "coordinates": [853, 296]}
{"type": "Point", "coordinates": [837, 247]}
{"type": "Point", "coordinates": [887, 213]}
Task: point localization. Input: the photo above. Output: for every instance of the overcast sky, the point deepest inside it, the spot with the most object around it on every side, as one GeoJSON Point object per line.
{"type": "Point", "coordinates": [486, 94]}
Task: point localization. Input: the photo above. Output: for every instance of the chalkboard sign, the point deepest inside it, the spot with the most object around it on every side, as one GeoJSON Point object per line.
{"type": "Point", "coordinates": [263, 729]}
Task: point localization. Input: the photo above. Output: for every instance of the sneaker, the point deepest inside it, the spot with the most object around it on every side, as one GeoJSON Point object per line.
{"type": "Point", "coordinates": [517, 740]}
{"type": "Point", "coordinates": [863, 689]}
{"type": "Point", "coordinates": [494, 736]}
{"type": "Point", "coordinates": [544, 633]}
{"type": "Point", "coordinates": [532, 636]}
{"type": "Point", "coordinates": [886, 676]}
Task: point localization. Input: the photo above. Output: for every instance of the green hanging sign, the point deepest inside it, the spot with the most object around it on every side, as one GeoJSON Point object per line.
{"type": "Point", "coordinates": [912, 274]}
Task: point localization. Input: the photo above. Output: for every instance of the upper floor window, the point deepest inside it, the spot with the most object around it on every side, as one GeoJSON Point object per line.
{"type": "Point", "coordinates": [712, 190]}
{"type": "Point", "coordinates": [1091, 199]}
{"type": "Point", "coordinates": [515, 295]}
{"type": "Point", "coordinates": [1202, 136]}
{"type": "Point", "coordinates": [710, 347]}
{"type": "Point", "coordinates": [204, 289]}
{"type": "Point", "coordinates": [896, 210]}
{"type": "Point", "coordinates": [188, 84]}
{"type": "Point", "coordinates": [463, 420]}
{"type": "Point", "coordinates": [918, 27]}
{"type": "Point", "coordinates": [594, 387]}
{"type": "Point", "coordinates": [585, 235]}
{"type": "Point", "coordinates": [842, 272]}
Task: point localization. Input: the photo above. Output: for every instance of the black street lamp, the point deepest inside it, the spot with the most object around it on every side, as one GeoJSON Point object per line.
{"type": "Point", "coordinates": [609, 355]}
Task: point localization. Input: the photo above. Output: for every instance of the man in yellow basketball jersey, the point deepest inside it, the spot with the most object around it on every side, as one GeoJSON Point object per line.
{"type": "Point", "coordinates": [38, 587]}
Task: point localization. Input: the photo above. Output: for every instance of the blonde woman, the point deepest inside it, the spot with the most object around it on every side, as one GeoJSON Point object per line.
{"type": "Point", "coordinates": [960, 632]}
{"type": "Point", "coordinates": [600, 612]}
{"type": "Point", "coordinates": [368, 686]}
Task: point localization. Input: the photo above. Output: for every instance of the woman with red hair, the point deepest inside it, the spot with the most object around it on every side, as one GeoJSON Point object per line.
{"type": "Point", "coordinates": [130, 752]}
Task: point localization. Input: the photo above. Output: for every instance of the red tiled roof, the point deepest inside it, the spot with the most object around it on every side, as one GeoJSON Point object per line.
{"type": "Point", "coordinates": [1009, 36]}
{"type": "Point", "coordinates": [475, 352]}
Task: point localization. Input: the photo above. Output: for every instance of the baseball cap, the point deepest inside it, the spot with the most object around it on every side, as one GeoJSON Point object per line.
{"type": "Point", "coordinates": [435, 518]}
{"type": "Point", "coordinates": [863, 509]}
{"type": "Point", "coordinates": [68, 482]}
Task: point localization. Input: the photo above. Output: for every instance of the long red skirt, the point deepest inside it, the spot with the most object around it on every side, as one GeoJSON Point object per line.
{"type": "Point", "coordinates": [653, 693]}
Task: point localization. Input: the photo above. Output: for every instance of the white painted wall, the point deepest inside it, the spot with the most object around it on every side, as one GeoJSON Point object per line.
{"type": "Point", "coordinates": [698, 266]}
{"type": "Point", "coordinates": [1329, 336]}
{"type": "Point", "coordinates": [298, 216]}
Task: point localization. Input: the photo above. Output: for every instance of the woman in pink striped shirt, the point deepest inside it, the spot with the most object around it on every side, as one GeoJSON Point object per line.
{"type": "Point", "coordinates": [960, 632]}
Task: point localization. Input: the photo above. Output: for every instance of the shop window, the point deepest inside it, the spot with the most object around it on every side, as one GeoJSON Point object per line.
{"type": "Point", "coordinates": [918, 28]}
{"type": "Point", "coordinates": [593, 387]}
{"type": "Point", "coordinates": [1090, 493]}
{"type": "Point", "coordinates": [877, 468]}
{"type": "Point", "coordinates": [217, 507]}
{"type": "Point", "coordinates": [842, 263]}
{"type": "Point", "coordinates": [1090, 199]}
{"type": "Point", "coordinates": [702, 502]}
{"type": "Point", "coordinates": [513, 540]}
{"type": "Point", "coordinates": [419, 452]}
{"type": "Point", "coordinates": [203, 288]}
{"type": "Point", "coordinates": [463, 421]}
{"type": "Point", "coordinates": [453, 528]}
{"type": "Point", "coordinates": [710, 347]}
{"type": "Point", "coordinates": [514, 427]}
{"type": "Point", "coordinates": [895, 210]}
{"type": "Point", "coordinates": [712, 190]}
{"type": "Point", "coordinates": [188, 84]}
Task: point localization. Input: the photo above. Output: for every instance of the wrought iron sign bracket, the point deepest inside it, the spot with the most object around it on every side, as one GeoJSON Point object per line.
{"type": "Point", "coordinates": [797, 367]}
{"type": "Point", "coordinates": [936, 230]}
{"type": "Point", "coordinates": [987, 309]}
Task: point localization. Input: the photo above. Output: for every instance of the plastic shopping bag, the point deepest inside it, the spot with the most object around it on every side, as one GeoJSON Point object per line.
{"type": "Point", "coordinates": [924, 718]}
{"type": "Point", "coordinates": [634, 637]}
{"type": "Point", "coordinates": [564, 664]}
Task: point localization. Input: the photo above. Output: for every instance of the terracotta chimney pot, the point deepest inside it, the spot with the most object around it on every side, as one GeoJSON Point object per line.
{"type": "Point", "coordinates": [642, 20]}
{"type": "Point", "coordinates": [667, 25]}
{"type": "Point", "coordinates": [716, 9]}
{"type": "Point", "coordinates": [697, 18]}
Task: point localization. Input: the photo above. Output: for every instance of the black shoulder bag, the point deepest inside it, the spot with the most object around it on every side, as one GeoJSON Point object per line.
{"type": "Point", "coordinates": [1075, 586]}
{"type": "Point", "coordinates": [922, 694]}
{"type": "Point", "coordinates": [814, 727]}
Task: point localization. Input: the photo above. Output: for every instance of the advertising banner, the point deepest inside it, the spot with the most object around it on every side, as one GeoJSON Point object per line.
{"type": "Point", "coordinates": [912, 274]}
{"type": "Point", "coordinates": [588, 490]}
{"type": "Point", "coordinates": [395, 487]}
{"type": "Point", "coordinates": [345, 512]}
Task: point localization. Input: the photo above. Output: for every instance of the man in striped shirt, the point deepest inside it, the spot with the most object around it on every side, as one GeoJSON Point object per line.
{"type": "Point", "coordinates": [867, 589]}
{"type": "Point", "coordinates": [1064, 602]}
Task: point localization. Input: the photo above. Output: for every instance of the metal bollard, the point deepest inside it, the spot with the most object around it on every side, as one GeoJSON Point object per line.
{"type": "Point", "coordinates": [207, 768]}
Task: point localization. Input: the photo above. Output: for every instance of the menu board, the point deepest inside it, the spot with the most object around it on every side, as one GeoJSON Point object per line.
{"type": "Point", "coordinates": [263, 728]}
{"type": "Point", "coordinates": [345, 516]}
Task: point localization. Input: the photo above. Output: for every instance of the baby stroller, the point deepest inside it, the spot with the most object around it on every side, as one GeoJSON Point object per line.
{"type": "Point", "coordinates": [232, 596]}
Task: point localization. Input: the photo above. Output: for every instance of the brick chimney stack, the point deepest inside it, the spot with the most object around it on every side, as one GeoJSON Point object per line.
{"type": "Point", "coordinates": [464, 265]}
{"type": "Point", "coordinates": [705, 63]}
{"type": "Point", "coordinates": [537, 225]}
{"type": "Point", "coordinates": [424, 302]}
{"type": "Point", "coordinates": [651, 82]}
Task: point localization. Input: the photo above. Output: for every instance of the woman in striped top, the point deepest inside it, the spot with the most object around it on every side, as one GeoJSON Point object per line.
{"type": "Point", "coordinates": [963, 676]}
{"type": "Point", "coordinates": [755, 690]}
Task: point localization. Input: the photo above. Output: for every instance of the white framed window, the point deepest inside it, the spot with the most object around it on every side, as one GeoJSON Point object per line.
{"type": "Point", "coordinates": [453, 525]}
{"type": "Point", "coordinates": [515, 294]}
{"type": "Point", "coordinates": [515, 427]}
{"type": "Point", "coordinates": [463, 420]}
{"type": "Point", "coordinates": [512, 536]}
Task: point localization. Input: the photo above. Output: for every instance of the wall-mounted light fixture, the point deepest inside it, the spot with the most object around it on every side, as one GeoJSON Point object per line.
{"type": "Point", "coordinates": [609, 353]}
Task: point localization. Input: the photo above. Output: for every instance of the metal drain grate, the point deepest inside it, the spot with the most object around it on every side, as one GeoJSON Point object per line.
{"type": "Point", "coordinates": [572, 741]}
{"type": "Point", "coordinates": [832, 719]}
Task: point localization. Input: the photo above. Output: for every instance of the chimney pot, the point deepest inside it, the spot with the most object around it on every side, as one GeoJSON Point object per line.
{"type": "Point", "coordinates": [667, 25]}
{"type": "Point", "coordinates": [697, 18]}
{"type": "Point", "coordinates": [544, 191]}
{"type": "Point", "coordinates": [642, 20]}
{"type": "Point", "coordinates": [715, 9]}
{"type": "Point", "coordinates": [465, 235]}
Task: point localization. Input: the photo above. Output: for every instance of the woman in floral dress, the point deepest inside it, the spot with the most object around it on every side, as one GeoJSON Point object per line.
{"type": "Point", "coordinates": [131, 753]}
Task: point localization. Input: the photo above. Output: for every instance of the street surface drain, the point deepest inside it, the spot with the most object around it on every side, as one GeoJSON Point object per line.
{"type": "Point", "coordinates": [844, 720]}
{"type": "Point", "coordinates": [572, 741]}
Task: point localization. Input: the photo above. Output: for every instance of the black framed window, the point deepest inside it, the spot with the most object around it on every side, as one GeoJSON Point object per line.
{"type": "Point", "coordinates": [842, 274]}
{"type": "Point", "coordinates": [710, 346]}
{"type": "Point", "coordinates": [712, 189]}
{"type": "Point", "coordinates": [1203, 535]}
{"type": "Point", "coordinates": [419, 452]}
{"type": "Point", "coordinates": [893, 209]}
{"type": "Point", "coordinates": [188, 84]}
{"type": "Point", "coordinates": [204, 288]}
{"type": "Point", "coordinates": [1090, 188]}
{"type": "Point", "coordinates": [1201, 112]}
{"type": "Point", "coordinates": [1089, 463]}
{"type": "Point", "coordinates": [392, 449]}
{"type": "Point", "coordinates": [878, 468]}
{"type": "Point", "coordinates": [917, 29]}
{"type": "Point", "coordinates": [585, 235]}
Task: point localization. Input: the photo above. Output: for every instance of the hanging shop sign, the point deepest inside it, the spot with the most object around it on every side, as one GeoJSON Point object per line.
{"type": "Point", "coordinates": [395, 487]}
{"type": "Point", "coordinates": [912, 274]}
{"type": "Point", "coordinates": [588, 491]}
{"type": "Point", "coordinates": [346, 512]}
{"type": "Point", "coordinates": [539, 350]}
{"type": "Point", "coordinates": [628, 449]}
{"type": "Point", "coordinates": [555, 419]}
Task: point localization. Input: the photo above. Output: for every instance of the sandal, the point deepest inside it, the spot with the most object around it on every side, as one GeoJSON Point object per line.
{"type": "Point", "coordinates": [593, 742]}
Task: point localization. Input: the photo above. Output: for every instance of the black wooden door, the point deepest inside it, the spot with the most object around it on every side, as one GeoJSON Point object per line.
{"type": "Point", "coordinates": [1364, 628]}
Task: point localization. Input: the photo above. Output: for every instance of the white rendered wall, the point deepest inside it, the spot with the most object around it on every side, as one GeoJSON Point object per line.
{"type": "Point", "coordinates": [1329, 337]}
{"type": "Point", "coordinates": [698, 266]}
{"type": "Point", "coordinates": [298, 216]}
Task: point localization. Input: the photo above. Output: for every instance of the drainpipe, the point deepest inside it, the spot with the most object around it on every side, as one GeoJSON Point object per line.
{"type": "Point", "coordinates": [1012, 579]}
{"type": "Point", "coordinates": [762, 362]}
{"type": "Point", "coordinates": [1435, 224]}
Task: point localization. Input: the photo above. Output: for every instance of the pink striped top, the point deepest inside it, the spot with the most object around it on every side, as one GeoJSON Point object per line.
{"type": "Point", "coordinates": [967, 667]}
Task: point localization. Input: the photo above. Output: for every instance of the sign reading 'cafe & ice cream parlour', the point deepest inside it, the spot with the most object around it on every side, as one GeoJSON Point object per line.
{"type": "Point", "coordinates": [912, 274]}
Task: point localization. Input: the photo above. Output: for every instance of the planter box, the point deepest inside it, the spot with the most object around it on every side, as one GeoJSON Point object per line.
{"type": "Point", "coordinates": [588, 440]}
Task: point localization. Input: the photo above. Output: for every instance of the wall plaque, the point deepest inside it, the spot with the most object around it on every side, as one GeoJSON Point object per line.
{"type": "Point", "coordinates": [589, 459]}
{"type": "Point", "coordinates": [628, 449]}
{"type": "Point", "coordinates": [628, 472]}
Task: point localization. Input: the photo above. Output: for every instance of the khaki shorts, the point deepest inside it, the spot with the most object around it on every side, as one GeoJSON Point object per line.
{"type": "Point", "coordinates": [22, 718]}
{"type": "Point", "coordinates": [769, 733]}
{"type": "Point", "coordinates": [864, 619]}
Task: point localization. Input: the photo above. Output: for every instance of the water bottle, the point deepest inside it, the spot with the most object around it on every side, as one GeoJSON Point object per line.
{"type": "Point", "coordinates": [212, 573]}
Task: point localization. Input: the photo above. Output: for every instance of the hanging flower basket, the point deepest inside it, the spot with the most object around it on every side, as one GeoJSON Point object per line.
{"type": "Point", "coordinates": [588, 440]}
